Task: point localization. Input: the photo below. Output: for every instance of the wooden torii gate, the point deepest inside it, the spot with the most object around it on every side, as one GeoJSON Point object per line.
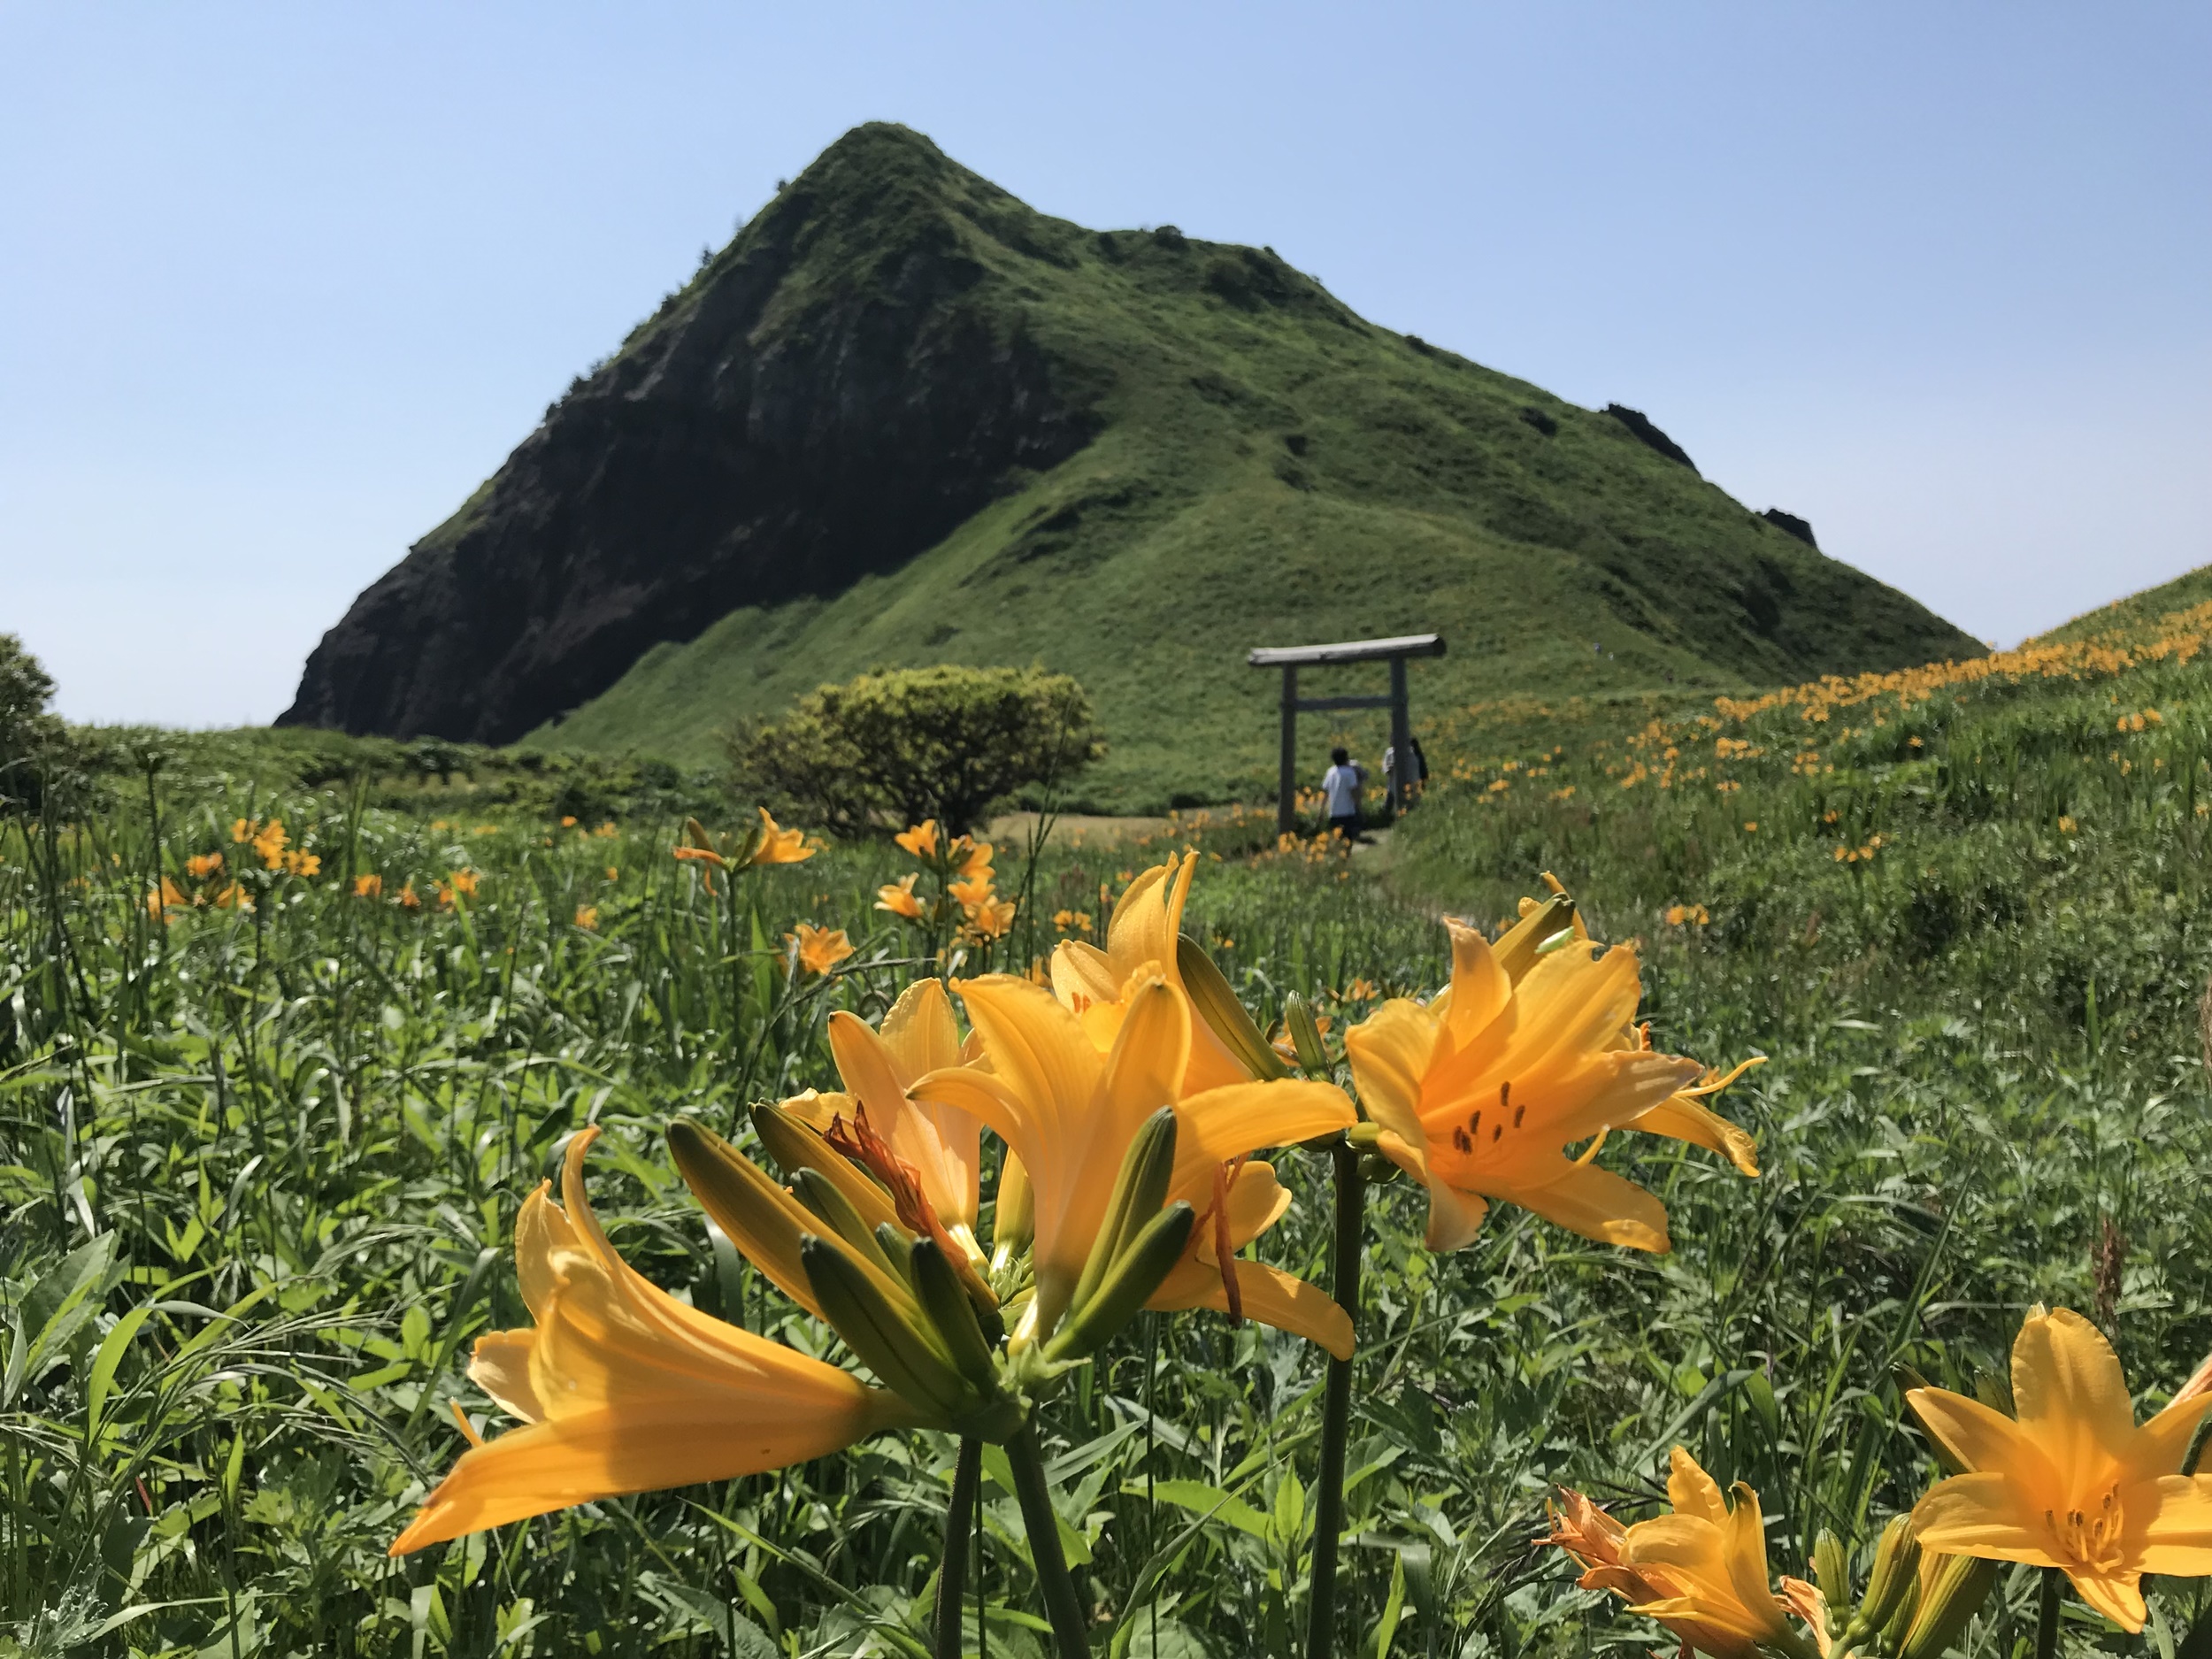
{"type": "Point", "coordinates": [1291, 658]}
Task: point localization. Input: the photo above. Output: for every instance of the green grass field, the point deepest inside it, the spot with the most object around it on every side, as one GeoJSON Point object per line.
{"type": "Point", "coordinates": [260, 1167]}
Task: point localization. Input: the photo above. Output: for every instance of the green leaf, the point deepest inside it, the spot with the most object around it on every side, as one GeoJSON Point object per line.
{"type": "Point", "coordinates": [1394, 1605]}
{"type": "Point", "coordinates": [103, 1364]}
{"type": "Point", "coordinates": [1207, 1502]}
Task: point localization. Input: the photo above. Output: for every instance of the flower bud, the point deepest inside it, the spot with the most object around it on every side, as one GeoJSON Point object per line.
{"type": "Point", "coordinates": [1951, 1591]}
{"type": "Point", "coordinates": [1218, 1005]}
{"type": "Point", "coordinates": [1831, 1568]}
{"type": "Point", "coordinates": [1896, 1561]}
{"type": "Point", "coordinates": [1305, 1036]}
{"type": "Point", "coordinates": [1139, 1190]}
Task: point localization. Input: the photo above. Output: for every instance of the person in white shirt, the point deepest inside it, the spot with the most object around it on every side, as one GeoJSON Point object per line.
{"type": "Point", "coordinates": [1340, 787]}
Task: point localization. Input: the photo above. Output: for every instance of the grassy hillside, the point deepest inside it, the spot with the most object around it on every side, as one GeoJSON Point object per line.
{"type": "Point", "coordinates": [2137, 611]}
{"type": "Point", "coordinates": [1267, 468]}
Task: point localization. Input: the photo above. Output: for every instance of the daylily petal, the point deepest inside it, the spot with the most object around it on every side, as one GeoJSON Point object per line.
{"type": "Point", "coordinates": [1223, 1124]}
{"type": "Point", "coordinates": [921, 1031]}
{"type": "Point", "coordinates": [1267, 1294]}
{"type": "Point", "coordinates": [1257, 1200]}
{"type": "Point", "coordinates": [1145, 1070]}
{"type": "Point", "coordinates": [1081, 974]}
{"type": "Point", "coordinates": [1982, 1514]}
{"type": "Point", "coordinates": [1681, 1118]}
{"type": "Point", "coordinates": [501, 1368]}
{"type": "Point", "coordinates": [1480, 989]}
{"type": "Point", "coordinates": [1691, 1491]}
{"type": "Point", "coordinates": [2119, 1598]}
{"type": "Point", "coordinates": [1037, 1048]}
{"type": "Point", "coordinates": [2068, 1394]}
{"type": "Point", "coordinates": [712, 1435]}
{"type": "Point", "coordinates": [1390, 1052]}
{"type": "Point", "coordinates": [2162, 1443]}
{"type": "Point", "coordinates": [1979, 1437]}
{"type": "Point", "coordinates": [1454, 1217]}
{"type": "Point", "coordinates": [2175, 1531]}
{"type": "Point", "coordinates": [540, 1228]}
{"type": "Point", "coordinates": [1598, 1204]}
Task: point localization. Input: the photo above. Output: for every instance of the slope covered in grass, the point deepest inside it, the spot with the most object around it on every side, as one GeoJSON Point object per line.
{"type": "Point", "coordinates": [904, 418]}
{"type": "Point", "coordinates": [2136, 611]}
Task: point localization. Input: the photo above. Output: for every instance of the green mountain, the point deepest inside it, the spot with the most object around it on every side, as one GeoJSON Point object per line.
{"type": "Point", "coordinates": [903, 417]}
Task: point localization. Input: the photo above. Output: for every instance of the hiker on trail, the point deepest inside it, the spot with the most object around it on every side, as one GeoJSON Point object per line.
{"type": "Point", "coordinates": [1405, 790]}
{"type": "Point", "coordinates": [1341, 788]}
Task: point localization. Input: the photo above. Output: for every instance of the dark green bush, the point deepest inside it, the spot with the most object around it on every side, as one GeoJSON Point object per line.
{"type": "Point", "coordinates": [33, 743]}
{"type": "Point", "coordinates": [912, 743]}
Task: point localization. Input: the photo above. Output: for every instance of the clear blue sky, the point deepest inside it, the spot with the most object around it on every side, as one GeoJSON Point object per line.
{"type": "Point", "coordinates": [279, 284]}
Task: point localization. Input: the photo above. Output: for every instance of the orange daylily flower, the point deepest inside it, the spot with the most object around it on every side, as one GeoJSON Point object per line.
{"type": "Point", "coordinates": [1702, 1571]}
{"type": "Point", "coordinates": [622, 1388]}
{"type": "Point", "coordinates": [1479, 1094]}
{"type": "Point", "coordinates": [1069, 1093]}
{"type": "Point", "coordinates": [2070, 1480]}
{"type": "Point", "coordinates": [936, 1150]}
{"type": "Point", "coordinates": [370, 886]}
{"type": "Point", "coordinates": [202, 865]}
{"type": "Point", "coordinates": [898, 898]}
{"type": "Point", "coordinates": [821, 949]}
{"type": "Point", "coordinates": [779, 846]}
{"type": "Point", "coordinates": [921, 840]}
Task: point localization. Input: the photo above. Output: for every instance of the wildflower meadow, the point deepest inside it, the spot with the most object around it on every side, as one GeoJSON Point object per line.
{"type": "Point", "coordinates": [1722, 1175]}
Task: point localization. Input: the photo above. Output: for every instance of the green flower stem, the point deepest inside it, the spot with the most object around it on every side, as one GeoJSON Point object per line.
{"type": "Point", "coordinates": [952, 1573]}
{"type": "Point", "coordinates": [1336, 1422]}
{"type": "Point", "coordinates": [1063, 1606]}
{"type": "Point", "coordinates": [2047, 1613]}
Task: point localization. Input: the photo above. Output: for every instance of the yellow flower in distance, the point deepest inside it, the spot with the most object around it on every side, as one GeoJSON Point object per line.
{"type": "Point", "coordinates": [1143, 928]}
{"type": "Point", "coordinates": [992, 918]}
{"type": "Point", "coordinates": [1479, 1094]}
{"type": "Point", "coordinates": [368, 887]}
{"type": "Point", "coordinates": [921, 840]}
{"type": "Point", "coordinates": [202, 865]}
{"type": "Point", "coordinates": [587, 918]}
{"type": "Point", "coordinates": [1701, 1571]}
{"type": "Point", "coordinates": [1070, 1111]}
{"type": "Point", "coordinates": [269, 841]}
{"type": "Point", "coordinates": [971, 893]}
{"type": "Point", "coordinates": [622, 1388]}
{"type": "Point", "coordinates": [2070, 1481]}
{"type": "Point", "coordinates": [898, 898]}
{"type": "Point", "coordinates": [821, 949]}
{"type": "Point", "coordinates": [779, 846]}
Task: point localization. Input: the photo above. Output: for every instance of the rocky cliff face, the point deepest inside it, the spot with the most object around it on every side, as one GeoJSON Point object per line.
{"type": "Point", "coordinates": [832, 394]}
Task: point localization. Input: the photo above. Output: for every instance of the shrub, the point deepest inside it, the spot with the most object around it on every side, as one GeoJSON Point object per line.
{"type": "Point", "coordinates": [32, 739]}
{"type": "Point", "coordinates": [907, 744]}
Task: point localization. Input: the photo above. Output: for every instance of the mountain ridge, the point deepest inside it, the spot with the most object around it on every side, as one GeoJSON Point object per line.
{"type": "Point", "coordinates": [902, 417]}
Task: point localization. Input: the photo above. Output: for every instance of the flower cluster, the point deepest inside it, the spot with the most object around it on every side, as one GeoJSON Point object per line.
{"type": "Point", "coordinates": [2069, 1482]}
{"type": "Point", "coordinates": [963, 886]}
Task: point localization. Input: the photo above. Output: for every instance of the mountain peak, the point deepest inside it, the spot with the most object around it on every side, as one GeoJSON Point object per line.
{"type": "Point", "coordinates": [904, 416]}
